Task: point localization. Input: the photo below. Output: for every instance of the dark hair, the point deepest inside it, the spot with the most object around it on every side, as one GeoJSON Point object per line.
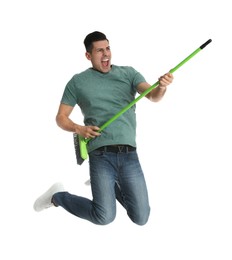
{"type": "Point", "coordinates": [93, 37]}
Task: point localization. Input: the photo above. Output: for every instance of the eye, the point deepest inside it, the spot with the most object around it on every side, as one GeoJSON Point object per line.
{"type": "Point", "coordinates": [100, 50]}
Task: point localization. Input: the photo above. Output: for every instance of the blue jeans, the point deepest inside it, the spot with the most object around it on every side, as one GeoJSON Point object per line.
{"type": "Point", "coordinates": [112, 176]}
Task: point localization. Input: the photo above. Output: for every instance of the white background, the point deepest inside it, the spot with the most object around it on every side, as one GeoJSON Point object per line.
{"type": "Point", "coordinates": [184, 141]}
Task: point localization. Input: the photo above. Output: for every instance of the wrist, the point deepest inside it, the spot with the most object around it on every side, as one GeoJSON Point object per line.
{"type": "Point", "coordinates": [162, 87]}
{"type": "Point", "coordinates": [76, 128]}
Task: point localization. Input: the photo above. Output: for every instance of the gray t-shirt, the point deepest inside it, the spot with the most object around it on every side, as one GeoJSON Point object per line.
{"type": "Point", "coordinates": [100, 96]}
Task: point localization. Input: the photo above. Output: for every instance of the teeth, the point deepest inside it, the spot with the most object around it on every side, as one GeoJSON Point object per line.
{"type": "Point", "coordinates": [105, 60]}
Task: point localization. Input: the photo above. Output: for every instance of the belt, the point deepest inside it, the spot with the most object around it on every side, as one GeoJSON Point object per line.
{"type": "Point", "coordinates": [117, 148]}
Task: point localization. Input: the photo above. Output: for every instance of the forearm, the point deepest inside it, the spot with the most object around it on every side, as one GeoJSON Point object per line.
{"type": "Point", "coordinates": [67, 124]}
{"type": "Point", "coordinates": [157, 94]}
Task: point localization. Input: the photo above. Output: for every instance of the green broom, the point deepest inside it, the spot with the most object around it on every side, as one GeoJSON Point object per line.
{"type": "Point", "coordinates": [80, 143]}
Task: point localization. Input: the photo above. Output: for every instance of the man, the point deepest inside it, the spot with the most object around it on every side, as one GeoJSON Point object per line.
{"type": "Point", "coordinates": [115, 171]}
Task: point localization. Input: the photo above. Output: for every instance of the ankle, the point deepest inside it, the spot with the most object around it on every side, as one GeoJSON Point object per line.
{"type": "Point", "coordinates": [53, 202]}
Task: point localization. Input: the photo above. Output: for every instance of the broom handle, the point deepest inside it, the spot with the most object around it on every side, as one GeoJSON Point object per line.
{"type": "Point", "coordinates": [150, 88]}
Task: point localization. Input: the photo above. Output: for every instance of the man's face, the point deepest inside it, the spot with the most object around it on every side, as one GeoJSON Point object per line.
{"type": "Point", "coordinates": [100, 56]}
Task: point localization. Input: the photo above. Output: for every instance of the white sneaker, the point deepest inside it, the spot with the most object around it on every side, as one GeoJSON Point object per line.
{"type": "Point", "coordinates": [45, 200]}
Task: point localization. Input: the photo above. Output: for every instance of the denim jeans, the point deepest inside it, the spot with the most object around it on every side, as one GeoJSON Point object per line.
{"type": "Point", "coordinates": [112, 176]}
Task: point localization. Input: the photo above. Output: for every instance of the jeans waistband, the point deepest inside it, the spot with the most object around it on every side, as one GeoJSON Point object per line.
{"type": "Point", "coordinates": [117, 148]}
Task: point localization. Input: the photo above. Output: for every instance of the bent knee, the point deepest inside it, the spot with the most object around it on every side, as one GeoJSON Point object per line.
{"type": "Point", "coordinates": [105, 219]}
{"type": "Point", "coordinates": [141, 218]}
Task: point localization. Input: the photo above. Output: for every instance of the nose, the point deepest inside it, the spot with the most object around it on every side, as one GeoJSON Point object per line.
{"type": "Point", "coordinates": [105, 52]}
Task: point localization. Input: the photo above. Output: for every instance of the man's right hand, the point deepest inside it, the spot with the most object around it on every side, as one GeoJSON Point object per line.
{"type": "Point", "coordinates": [88, 131]}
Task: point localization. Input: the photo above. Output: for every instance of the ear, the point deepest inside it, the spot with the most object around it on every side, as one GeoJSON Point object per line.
{"type": "Point", "coordinates": [88, 55]}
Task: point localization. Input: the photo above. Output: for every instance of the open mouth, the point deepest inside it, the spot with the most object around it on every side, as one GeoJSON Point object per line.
{"type": "Point", "coordinates": [105, 62]}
